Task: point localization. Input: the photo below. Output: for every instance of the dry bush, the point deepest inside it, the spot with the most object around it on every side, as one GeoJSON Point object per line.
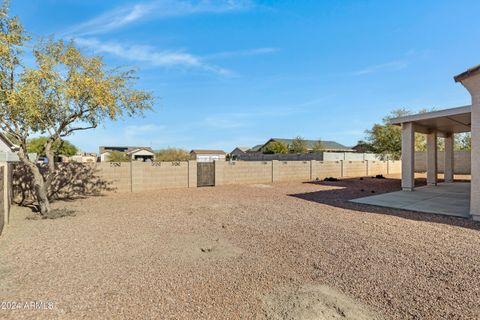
{"type": "Point", "coordinates": [71, 180]}
{"type": "Point", "coordinates": [173, 154]}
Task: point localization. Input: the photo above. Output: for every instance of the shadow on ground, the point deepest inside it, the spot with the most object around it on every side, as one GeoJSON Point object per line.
{"type": "Point", "coordinates": [71, 181]}
{"type": "Point", "coordinates": [340, 192]}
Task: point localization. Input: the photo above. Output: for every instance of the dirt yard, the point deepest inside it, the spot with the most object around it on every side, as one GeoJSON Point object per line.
{"type": "Point", "coordinates": [283, 251]}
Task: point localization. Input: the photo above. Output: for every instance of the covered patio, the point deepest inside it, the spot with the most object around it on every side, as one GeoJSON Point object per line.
{"type": "Point", "coordinates": [457, 199]}
{"type": "Point", "coordinates": [451, 199]}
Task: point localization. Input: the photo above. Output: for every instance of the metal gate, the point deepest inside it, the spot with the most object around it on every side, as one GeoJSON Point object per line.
{"type": "Point", "coordinates": [205, 174]}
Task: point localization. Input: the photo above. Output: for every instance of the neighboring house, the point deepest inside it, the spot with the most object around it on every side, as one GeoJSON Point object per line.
{"type": "Point", "coordinates": [239, 150]}
{"type": "Point", "coordinates": [208, 155]}
{"type": "Point", "coordinates": [6, 145]}
{"type": "Point", "coordinates": [328, 146]}
{"type": "Point", "coordinates": [84, 157]}
{"type": "Point", "coordinates": [135, 153]}
{"type": "Point", "coordinates": [8, 149]}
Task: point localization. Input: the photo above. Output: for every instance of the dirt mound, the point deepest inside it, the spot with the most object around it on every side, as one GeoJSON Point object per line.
{"type": "Point", "coordinates": [314, 303]}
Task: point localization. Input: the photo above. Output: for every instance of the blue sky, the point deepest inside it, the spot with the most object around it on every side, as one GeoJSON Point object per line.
{"type": "Point", "coordinates": [237, 72]}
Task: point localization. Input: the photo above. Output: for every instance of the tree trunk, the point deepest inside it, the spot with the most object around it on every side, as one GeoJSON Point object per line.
{"type": "Point", "coordinates": [39, 185]}
{"type": "Point", "coordinates": [40, 191]}
{"type": "Point", "coordinates": [51, 163]}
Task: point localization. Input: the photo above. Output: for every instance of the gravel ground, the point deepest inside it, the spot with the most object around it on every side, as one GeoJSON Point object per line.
{"type": "Point", "coordinates": [241, 252]}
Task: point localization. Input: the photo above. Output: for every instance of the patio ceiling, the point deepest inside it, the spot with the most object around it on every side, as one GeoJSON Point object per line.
{"type": "Point", "coordinates": [454, 120]}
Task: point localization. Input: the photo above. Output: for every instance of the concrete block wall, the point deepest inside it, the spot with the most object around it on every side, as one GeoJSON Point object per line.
{"type": "Point", "coordinates": [394, 167]}
{"type": "Point", "coordinates": [462, 163]}
{"type": "Point", "coordinates": [243, 172]}
{"type": "Point", "coordinates": [352, 156]}
{"type": "Point", "coordinates": [159, 175]}
{"type": "Point", "coordinates": [3, 214]}
{"type": "Point", "coordinates": [192, 174]}
{"type": "Point", "coordinates": [6, 192]}
{"type": "Point", "coordinates": [291, 171]}
{"type": "Point", "coordinates": [117, 173]}
{"type": "Point", "coordinates": [354, 168]}
{"type": "Point", "coordinates": [141, 176]}
{"type": "Point", "coordinates": [375, 167]}
{"type": "Point", "coordinates": [324, 169]}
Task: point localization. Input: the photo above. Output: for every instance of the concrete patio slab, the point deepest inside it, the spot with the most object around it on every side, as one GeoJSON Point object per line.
{"type": "Point", "coordinates": [446, 198]}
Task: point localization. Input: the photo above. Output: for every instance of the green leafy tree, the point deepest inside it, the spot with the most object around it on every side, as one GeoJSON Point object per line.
{"type": "Point", "coordinates": [172, 154]}
{"type": "Point", "coordinates": [463, 141]}
{"type": "Point", "coordinates": [275, 147]}
{"type": "Point", "coordinates": [59, 147]}
{"type": "Point", "coordinates": [386, 139]}
{"type": "Point", "coordinates": [118, 156]}
{"type": "Point", "coordinates": [363, 147]}
{"type": "Point", "coordinates": [64, 92]}
{"type": "Point", "coordinates": [299, 145]}
{"type": "Point", "coordinates": [318, 146]}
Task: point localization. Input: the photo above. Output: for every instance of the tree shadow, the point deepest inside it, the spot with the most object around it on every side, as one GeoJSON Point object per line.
{"type": "Point", "coordinates": [71, 181]}
{"type": "Point", "coordinates": [339, 194]}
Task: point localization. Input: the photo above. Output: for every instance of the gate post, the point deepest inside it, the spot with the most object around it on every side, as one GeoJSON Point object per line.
{"type": "Point", "coordinates": [219, 168]}
{"type": "Point", "coordinates": [192, 174]}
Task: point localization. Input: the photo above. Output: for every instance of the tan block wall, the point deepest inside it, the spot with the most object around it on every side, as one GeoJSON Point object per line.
{"type": "Point", "coordinates": [291, 171]}
{"type": "Point", "coordinates": [118, 174]}
{"type": "Point", "coordinates": [6, 193]}
{"type": "Point", "coordinates": [140, 176]}
{"type": "Point", "coordinates": [192, 174]}
{"type": "Point", "coordinates": [326, 169]}
{"type": "Point", "coordinates": [377, 167]}
{"type": "Point", "coordinates": [394, 167]}
{"type": "Point", "coordinates": [159, 175]}
{"type": "Point", "coordinates": [354, 168]}
{"type": "Point", "coordinates": [462, 163]}
{"type": "Point", "coordinates": [243, 172]}
{"type": "Point", "coordinates": [3, 214]}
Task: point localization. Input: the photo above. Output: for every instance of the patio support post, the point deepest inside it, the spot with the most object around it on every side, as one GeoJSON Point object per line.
{"type": "Point", "coordinates": [471, 81]}
{"type": "Point", "coordinates": [449, 158]}
{"type": "Point", "coordinates": [475, 154]}
{"type": "Point", "coordinates": [432, 158]}
{"type": "Point", "coordinates": [408, 156]}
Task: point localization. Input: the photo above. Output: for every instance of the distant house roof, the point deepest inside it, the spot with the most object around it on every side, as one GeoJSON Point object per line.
{"type": "Point", "coordinates": [140, 149]}
{"type": "Point", "coordinates": [126, 149]}
{"type": "Point", "coordinates": [327, 145]}
{"type": "Point", "coordinates": [256, 148]}
{"type": "Point", "coordinates": [204, 151]}
{"type": "Point", "coordinates": [242, 149]}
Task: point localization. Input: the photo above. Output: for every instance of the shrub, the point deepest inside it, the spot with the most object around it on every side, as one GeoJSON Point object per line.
{"type": "Point", "coordinates": [299, 145]}
{"type": "Point", "coordinates": [172, 154]}
{"type": "Point", "coordinates": [275, 147]}
{"type": "Point", "coordinates": [117, 156]}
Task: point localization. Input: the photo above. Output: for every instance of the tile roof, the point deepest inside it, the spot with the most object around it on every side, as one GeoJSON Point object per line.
{"type": "Point", "coordinates": [327, 145]}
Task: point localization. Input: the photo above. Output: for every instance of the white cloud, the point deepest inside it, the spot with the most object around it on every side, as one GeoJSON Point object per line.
{"type": "Point", "coordinates": [123, 16]}
{"type": "Point", "coordinates": [242, 53]}
{"type": "Point", "coordinates": [149, 55]}
{"type": "Point", "coordinates": [389, 66]}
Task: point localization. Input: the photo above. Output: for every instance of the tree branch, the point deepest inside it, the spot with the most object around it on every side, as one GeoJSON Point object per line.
{"type": "Point", "coordinates": [77, 129]}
